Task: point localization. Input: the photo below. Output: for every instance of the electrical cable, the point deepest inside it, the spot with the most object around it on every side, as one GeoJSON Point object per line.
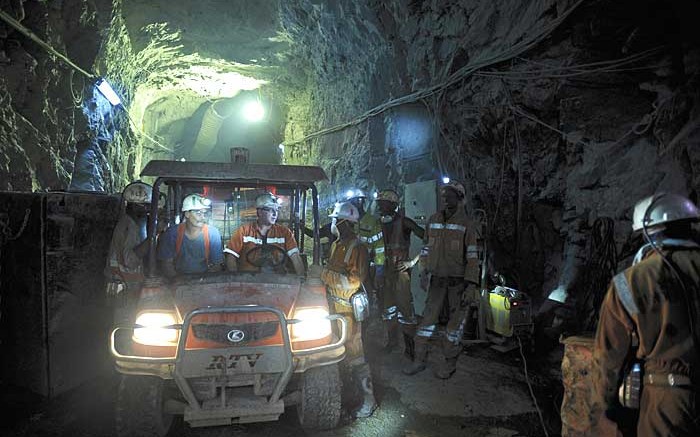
{"type": "Point", "coordinates": [611, 66]}
{"type": "Point", "coordinates": [540, 122]}
{"type": "Point", "coordinates": [518, 220]}
{"type": "Point", "coordinates": [31, 35]}
{"type": "Point", "coordinates": [690, 307]}
{"type": "Point", "coordinates": [136, 128]}
{"type": "Point", "coordinates": [529, 386]}
{"type": "Point", "coordinates": [503, 170]}
{"type": "Point", "coordinates": [435, 149]}
{"type": "Point", "coordinates": [509, 76]}
{"type": "Point", "coordinates": [634, 57]}
{"type": "Point", "coordinates": [598, 271]}
{"type": "Point", "coordinates": [463, 72]}
{"type": "Point", "coordinates": [77, 98]}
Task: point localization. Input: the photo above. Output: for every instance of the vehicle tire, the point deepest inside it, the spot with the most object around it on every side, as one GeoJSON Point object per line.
{"type": "Point", "coordinates": [319, 407]}
{"type": "Point", "coordinates": [140, 411]}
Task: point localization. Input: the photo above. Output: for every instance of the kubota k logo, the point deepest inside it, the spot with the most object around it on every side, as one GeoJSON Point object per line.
{"type": "Point", "coordinates": [235, 336]}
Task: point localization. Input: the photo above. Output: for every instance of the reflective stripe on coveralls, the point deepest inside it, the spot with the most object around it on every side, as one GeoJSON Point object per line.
{"type": "Point", "coordinates": [343, 276]}
{"type": "Point", "coordinates": [369, 231]}
{"type": "Point", "coordinates": [659, 317]}
{"type": "Point", "coordinates": [248, 237]}
{"type": "Point", "coordinates": [398, 299]}
{"type": "Point", "coordinates": [624, 293]}
{"type": "Point", "coordinates": [452, 259]}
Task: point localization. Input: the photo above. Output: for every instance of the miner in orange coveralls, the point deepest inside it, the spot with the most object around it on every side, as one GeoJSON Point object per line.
{"type": "Point", "coordinates": [649, 318]}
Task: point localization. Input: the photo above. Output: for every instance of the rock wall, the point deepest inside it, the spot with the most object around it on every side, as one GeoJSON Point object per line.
{"type": "Point", "coordinates": [554, 113]}
{"type": "Point", "coordinates": [41, 121]}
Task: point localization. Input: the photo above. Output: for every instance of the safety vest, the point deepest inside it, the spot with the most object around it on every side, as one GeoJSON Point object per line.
{"type": "Point", "coordinates": [451, 247]}
{"type": "Point", "coordinates": [369, 230]}
{"type": "Point", "coordinates": [396, 242]}
{"type": "Point", "coordinates": [181, 236]}
{"type": "Point", "coordinates": [338, 273]}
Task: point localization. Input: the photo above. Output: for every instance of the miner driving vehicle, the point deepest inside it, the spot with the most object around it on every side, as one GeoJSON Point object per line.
{"type": "Point", "coordinates": [222, 346]}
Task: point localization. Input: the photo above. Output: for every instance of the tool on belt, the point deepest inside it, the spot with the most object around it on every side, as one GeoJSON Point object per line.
{"type": "Point", "coordinates": [630, 392]}
{"type": "Point", "coordinates": [359, 302]}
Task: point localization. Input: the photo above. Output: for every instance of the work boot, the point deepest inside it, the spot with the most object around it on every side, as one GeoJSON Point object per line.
{"type": "Point", "coordinates": [446, 368]}
{"type": "Point", "coordinates": [409, 347]}
{"type": "Point", "coordinates": [419, 359]}
{"type": "Point", "coordinates": [392, 333]}
{"type": "Point", "coordinates": [369, 403]}
{"type": "Point", "coordinates": [450, 353]}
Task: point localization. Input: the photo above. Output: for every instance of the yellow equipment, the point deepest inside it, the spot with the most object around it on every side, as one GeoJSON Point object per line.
{"type": "Point", "coordinates": [509, 312]}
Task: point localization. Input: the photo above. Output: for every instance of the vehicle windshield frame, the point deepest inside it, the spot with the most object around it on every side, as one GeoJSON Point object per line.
{"type": "Point", "coordinates": [300, 197]}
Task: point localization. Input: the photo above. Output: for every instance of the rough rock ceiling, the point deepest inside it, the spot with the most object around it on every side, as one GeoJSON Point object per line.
{"type": "Point", "coordinates": [178, 59]}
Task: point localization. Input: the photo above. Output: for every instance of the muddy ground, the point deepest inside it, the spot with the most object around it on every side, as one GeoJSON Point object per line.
{"type": "Point", "coordinates": [487, 396]}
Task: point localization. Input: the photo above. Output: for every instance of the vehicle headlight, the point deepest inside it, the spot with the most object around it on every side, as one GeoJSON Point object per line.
{"type": "Point", "coordinates": [153, 329]}
{"type": "Point", "coordinates": [313, 324]}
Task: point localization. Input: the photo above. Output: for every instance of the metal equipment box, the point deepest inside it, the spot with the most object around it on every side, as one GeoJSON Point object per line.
{"type": "Point", "coordinates": [54, 315]}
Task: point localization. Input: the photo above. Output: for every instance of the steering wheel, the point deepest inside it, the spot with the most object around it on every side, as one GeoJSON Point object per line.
{"type": "Point", "coordinates": [266, 257]}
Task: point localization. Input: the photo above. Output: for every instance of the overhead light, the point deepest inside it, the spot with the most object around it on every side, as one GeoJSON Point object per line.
{"type": "Point", "coordinates": [445, 180]}
{"type": "Point", "coordinates": [349, 194]}
{"type": "Point", "coordinates": [375, 194]}
{"type": "Point", "coordinates": [281, 146]}
{"type": "Point", "coordinates": [253, 111]}
{"type": "Point", "coordinates": [106, 89]}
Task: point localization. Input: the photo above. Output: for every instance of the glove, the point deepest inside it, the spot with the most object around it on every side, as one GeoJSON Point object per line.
{"type": "Point", "coordinates": [402, 266]}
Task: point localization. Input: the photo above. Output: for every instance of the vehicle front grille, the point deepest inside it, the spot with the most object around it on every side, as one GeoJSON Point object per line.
{"type": "Point", "coordinates": [222, 332]}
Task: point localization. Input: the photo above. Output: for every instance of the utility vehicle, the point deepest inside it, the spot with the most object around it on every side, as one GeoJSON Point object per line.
{"type": "Point", "coordinates": [225, 347]}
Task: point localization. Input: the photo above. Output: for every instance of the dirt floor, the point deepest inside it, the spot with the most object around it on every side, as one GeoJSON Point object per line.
{"type": "Point", "coordinates": [487, 396]}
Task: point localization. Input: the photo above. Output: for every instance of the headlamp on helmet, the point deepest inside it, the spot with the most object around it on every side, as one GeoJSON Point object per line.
{"type": "Point", "coordinates": [388, 196]}
{"type": "Point", "coordinates": [456, 187]}
{"type": "Point", "coordinates": [195, 202]}
{"type": "Point", "coordinates": [354, 194]}
{"type": "Point", "coordinates": [661, 209]}
{"type": "Point", "coordinates": [345, 211]}
{"type": "Point", "coordinates": [267, 200]}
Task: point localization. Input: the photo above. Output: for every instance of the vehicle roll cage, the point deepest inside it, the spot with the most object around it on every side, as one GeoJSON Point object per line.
{"type": "Point", "coordinates": [298, 211]}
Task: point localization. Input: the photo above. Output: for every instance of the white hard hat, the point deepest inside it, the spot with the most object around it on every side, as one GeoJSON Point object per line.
{"type": "Point", "coordinates": [346, 211]}
{"type": "Point", "coordinates": [456, 186]}
{"type": "Point", "coordinates": [195, 201]}
{"type": "Point", "coordinates": [661, 209]}
{"type": "Point", "coordinates": [267, 200]}
{"type": "Point", "coordinates": [355, 194]}
{"type": "Point", "coordinates": [138, 192]}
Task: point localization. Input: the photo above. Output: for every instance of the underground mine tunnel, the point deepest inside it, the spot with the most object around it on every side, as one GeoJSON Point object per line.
{"type": "Point", "coordinates": [169, 171]}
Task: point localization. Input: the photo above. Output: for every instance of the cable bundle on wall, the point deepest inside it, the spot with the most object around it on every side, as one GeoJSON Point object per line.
{"type": "Point", "coordinates": [462, 73]}
{"type": "Point", "coordinates": [596, 276]}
